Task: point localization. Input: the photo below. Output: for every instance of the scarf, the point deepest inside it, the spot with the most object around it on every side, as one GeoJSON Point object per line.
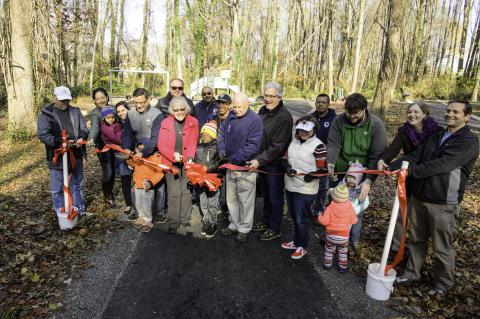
{"type": "Point", "coordinates": [429, 126]}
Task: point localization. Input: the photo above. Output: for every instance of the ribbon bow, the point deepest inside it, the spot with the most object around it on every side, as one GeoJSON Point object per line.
{"type": "Point", "coordinates": [197, 174]}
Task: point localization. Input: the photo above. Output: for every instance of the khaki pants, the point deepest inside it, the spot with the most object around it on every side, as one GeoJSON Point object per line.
{"type": "Point", "coordinates": [143, 203]}
{"type": "Point", "coordinates": [434, 221]}
{"type": "Point", "coordinates": [241, 188]}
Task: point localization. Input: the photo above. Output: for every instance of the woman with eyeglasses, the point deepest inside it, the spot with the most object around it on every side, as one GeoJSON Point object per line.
{"type": "Point", "coordinates": [177, 143]}
{"type": "Point", "coordinates": [107, 159]}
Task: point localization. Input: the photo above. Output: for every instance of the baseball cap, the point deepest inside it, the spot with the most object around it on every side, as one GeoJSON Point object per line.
{"type": "Point", "coordinates": [62, 93]}
{"type": "Point", "coordinates": [305, 125]}
{"type": "Point", "coordinates": [224, 98]}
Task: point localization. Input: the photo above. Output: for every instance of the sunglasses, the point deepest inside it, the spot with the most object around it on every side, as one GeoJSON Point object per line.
{"type": "Point", "coordinates": [179, 110]}
{"type": "Point", "coordinates": [207, 93]}
{"type": "Point", "coordinates": [177, 88]}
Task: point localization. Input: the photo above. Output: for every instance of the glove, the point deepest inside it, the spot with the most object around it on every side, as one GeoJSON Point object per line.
{"type": "Point", "coordinates": [147, 184]}
{"type": "Point", "coordinates": [290, 171]}
{"type": "Point", "coordinates": [307, 178]}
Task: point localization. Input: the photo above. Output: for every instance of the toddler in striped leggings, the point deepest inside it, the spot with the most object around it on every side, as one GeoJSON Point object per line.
{"type": "Point", "coordinates": [338, 218]}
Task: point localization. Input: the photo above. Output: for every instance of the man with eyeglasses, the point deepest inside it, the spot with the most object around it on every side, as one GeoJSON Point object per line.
{"type": "Point", "coordinates": [176, 88]}
{"type": "Point", "coordinates": [140, 135]}
{"type": "Point", "coordinates": [204, 109]}
{"type": "Point", "coordinates": [325, 116]}
{"type": "Point", "coordinates": [356, 135]}
{"type": "Point", "coordinates": [277, 135]}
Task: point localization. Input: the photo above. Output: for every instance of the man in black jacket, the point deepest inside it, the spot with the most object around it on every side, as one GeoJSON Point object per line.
{"type": "Point", "coordinates": [441, 167]}
{"type": "Point", "coordinates": [176, 88]}
{"type": "Point", "coordinates": [277, 135]}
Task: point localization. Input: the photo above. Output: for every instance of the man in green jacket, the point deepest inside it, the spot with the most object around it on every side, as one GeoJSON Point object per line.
{"type": "Point", "coordinates": [356, 135]}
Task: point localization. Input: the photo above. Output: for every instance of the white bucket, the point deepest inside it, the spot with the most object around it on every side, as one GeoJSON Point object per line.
{"type": "Point", "coordinates": [379, 286]}
{"type": "Point", "coordinates": [66, 223]}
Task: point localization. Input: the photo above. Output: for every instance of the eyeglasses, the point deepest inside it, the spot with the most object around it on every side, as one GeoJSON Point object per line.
{"type": "Point", "coordinates": [206, 93]}
{"type": "Point", "coordinates": [179, 110]}
{"type": "Point", "coordinates": [269, 96]}
{"type": "Point", "coordinates": [177, 88]}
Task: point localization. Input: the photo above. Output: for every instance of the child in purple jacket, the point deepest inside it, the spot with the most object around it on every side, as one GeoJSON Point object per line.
{"type": "Point", "coordinates": [111, 132]}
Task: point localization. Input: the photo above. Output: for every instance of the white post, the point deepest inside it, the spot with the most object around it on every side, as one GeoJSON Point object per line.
{"type": "Point", "coordinates": [391, 228]}
{"type": "Point", "coordinates": [65, 180]}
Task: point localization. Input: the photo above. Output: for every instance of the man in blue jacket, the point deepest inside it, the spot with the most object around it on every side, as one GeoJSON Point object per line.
{"type": "Point", "coordinates": [325, 116]}
{"type": "Point", "coordinates": [238, 142]}
{"type": "Point", "coordinates": [205, 109]}
{"type": "Point", "coordinates": [441, 167]}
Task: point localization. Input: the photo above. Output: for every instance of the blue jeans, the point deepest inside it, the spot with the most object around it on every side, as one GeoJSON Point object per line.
{"type": "Point", "coordinates": [273, 198]}
{"type": "Point", "coordinates": [299, 206]}
{"type": "Point", "coordinates": [76, 187]}
{"type": "Point", "coordinates": [356, 229]}
{"type": "Point", "coordinates": [122, 167]}
{"type": "Point", "coordinates": [322, 197]}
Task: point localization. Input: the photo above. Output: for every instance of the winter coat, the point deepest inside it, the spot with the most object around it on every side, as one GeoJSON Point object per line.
{"type": "Point", "coordinates": [304, 158]}
{"type": "Point", "coordinates": [204, 111]}
{"type": "Point", "coordinates": [95, 122]}
{"type": "Point", "coordinates": [167, 137]}
{"type": "Point", "coordinates": [208, 156]}
{"type": "Point", "coordinates": [364, 142]}
{"type": "Point", "coordinates": [239, 138]}
{"type": "Point", "coordinates": [277, 134]}
{"type": "Point", "coordinates": [338, 218]}
{"type": "Point", "coordinates": [162, 104]}
{"type": "Point", "coordinates": [111, 134]}
{"type": "Point", "coordinates": [442, 171]}
{"type": "Point", "coordinates": [325, 124]}
{"type": "Point", "coordinates": [49, 129]}
{"type": "Point", "coordinates": [142, 171]}
{"type": "Point", "coordinates": [142, 128]}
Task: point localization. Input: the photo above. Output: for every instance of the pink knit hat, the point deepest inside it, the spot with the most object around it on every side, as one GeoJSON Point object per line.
{"type": "Point", "coordinates": [210, 128]}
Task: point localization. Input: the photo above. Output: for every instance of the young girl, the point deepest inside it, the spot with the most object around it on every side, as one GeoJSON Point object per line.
{"type": "Point", "coordinates": [111, 133]}
{"type": "Point", "coordinates": [122, 167]}
{"type": "Point", "coordinates": [306, 154]}
{"type": "Point", "coordinates": [338, 219]}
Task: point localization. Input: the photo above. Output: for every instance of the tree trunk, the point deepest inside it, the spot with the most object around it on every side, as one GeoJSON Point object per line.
{"type": "Point", "coordinates": [113, 33]}
{"type": "Point", "coordinates": [120, 33]}
{"type": "Point", "coordinates": [386, 76]}
{"type": "Point", "coordinates": [178, 49]}
{"type": "Point", "coordinates": [330, 51]}
{"type": "Point", "coordinates": [477, 86]}
{"type": "Point", "coordinates": [20, 86]}
{"type": "Point", "coordinates": [358, 46]}
{"type": "Point", "coordinates": [95, 46]}
{"type": "Point", "coordinates": [466, 19]}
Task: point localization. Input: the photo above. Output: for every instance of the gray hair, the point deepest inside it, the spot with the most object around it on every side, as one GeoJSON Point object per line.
{"type": "Point", "coordinates": [274, 85]}
{"type": "Point", "coordinates": [179, 100]}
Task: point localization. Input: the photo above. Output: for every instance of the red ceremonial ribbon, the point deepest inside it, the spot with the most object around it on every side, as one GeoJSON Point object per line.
{"type": "Point", "coordinates": [401, 192]}
{"type": "Point", "coordinates": [156, 166]}
{"type": "Point", "coordinates": [197, 174]}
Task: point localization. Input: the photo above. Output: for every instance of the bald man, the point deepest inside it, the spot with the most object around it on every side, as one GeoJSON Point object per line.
{"type": "Point", "coordinates": [238, 142]}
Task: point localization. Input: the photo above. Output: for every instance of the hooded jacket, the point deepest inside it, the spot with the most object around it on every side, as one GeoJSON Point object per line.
{"type": "Point", "coordinates": [441, 171]}
{"type": "Point", "coordinates": [49, 129]}
{"type": "Point", "coordinates": [338, 218]}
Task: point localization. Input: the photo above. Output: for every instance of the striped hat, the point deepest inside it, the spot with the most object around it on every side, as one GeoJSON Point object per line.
{"type": "Point", "coordinates": [340, 193]}
{"type": "Point", "coordinates": [210, 128]}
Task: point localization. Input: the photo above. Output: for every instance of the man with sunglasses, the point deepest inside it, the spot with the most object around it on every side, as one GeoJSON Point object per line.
{"type": "Point", "coordinates": [204, 109]}
{"type": "Point", "coordinates": [176, 88]}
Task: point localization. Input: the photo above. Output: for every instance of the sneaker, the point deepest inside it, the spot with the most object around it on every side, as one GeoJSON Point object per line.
{"type": "Point", "coordinates": [327, 267]}
{"type": "Point", "coordinates": [227, 231]}
{"type": "Point", "coordinates": [204, 229]}
{"type": "Point", "coordinates": [290, 245]}
{"type": "Point", "coordinates": [211, 231]}
{"type": "Point", "coordinates": [269, 235]}
{"type": "Point", "coordinates": [241, 237]}
{"type": "Point", "coordinates": [437, 291]}
{"type": "Point", "coordinates": [299, 253]}
{"type": "Point", "coordinates": [342, 270]}
{"type": "Point", "coordinates": [161, 219]}
{"type": "Point", "coordinates": [259, 227]}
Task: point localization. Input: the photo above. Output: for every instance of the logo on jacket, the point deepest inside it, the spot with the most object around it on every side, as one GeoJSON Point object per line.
{"type": "Point", "coordinates": [326, 124]}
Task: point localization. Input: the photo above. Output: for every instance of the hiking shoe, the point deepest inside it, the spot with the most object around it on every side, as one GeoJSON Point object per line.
{"type": "Point", "coordinates": [259, 227]}
{"type": "Point", "coordinates": [299, 253]}
{"type": "Point", "coordinates": [342, 270]}
{"type": "Point", "coordinates": [227, 231]}
{"type": "Point", "coordinates": [437, 291]}
{"type": "Point", "coordinates": [204, 229]}
{"type": "Point", "coordinates": [161, 219]}
{"type": "Point", "coordinates": [241, 237]}
{"type": "Point", "coordinates": [211, 231]}
{"type": "Point", "coordinates": [327, 267]}
{"type": "Point", "coordinates": [269, 235]}
{"type": "Point", "coordinates": [290, 245]}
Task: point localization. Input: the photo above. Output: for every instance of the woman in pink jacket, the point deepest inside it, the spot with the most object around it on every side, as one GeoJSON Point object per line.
{"type": "Point", "coordinates": [177, 143]}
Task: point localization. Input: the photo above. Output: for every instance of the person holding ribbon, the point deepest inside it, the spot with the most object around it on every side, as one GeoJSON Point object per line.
{"type": "Point", "coordinates": [55, 117]}
{"type": "Point", "coordinates": [177, 143]}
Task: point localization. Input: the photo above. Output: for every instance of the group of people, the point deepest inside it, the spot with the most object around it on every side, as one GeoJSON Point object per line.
{"type": "Point", "coordinates": [317, 170]}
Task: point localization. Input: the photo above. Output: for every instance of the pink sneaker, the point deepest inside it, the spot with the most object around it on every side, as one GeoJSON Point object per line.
{"type": "Point", "coordinates": [289, 245]}
{"type": "Point", "coordinates": [299, 253]}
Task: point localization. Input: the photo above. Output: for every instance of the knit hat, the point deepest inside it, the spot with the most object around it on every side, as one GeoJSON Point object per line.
{"type": "Point", "coordinates": [355, 167]}
{"type": "Point", "coordinates": [210, 128]}
{"type": "Point", "coordinates": [106, 111]}
{"type": "Point", "coordinates": [340, 193]}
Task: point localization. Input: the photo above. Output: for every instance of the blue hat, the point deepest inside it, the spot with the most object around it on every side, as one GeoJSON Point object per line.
{"type": "Point", "coordinates": [107, 110]}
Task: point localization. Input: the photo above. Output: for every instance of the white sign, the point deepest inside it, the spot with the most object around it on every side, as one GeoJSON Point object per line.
{"type": "Point", "coordinates": [226, 74]}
